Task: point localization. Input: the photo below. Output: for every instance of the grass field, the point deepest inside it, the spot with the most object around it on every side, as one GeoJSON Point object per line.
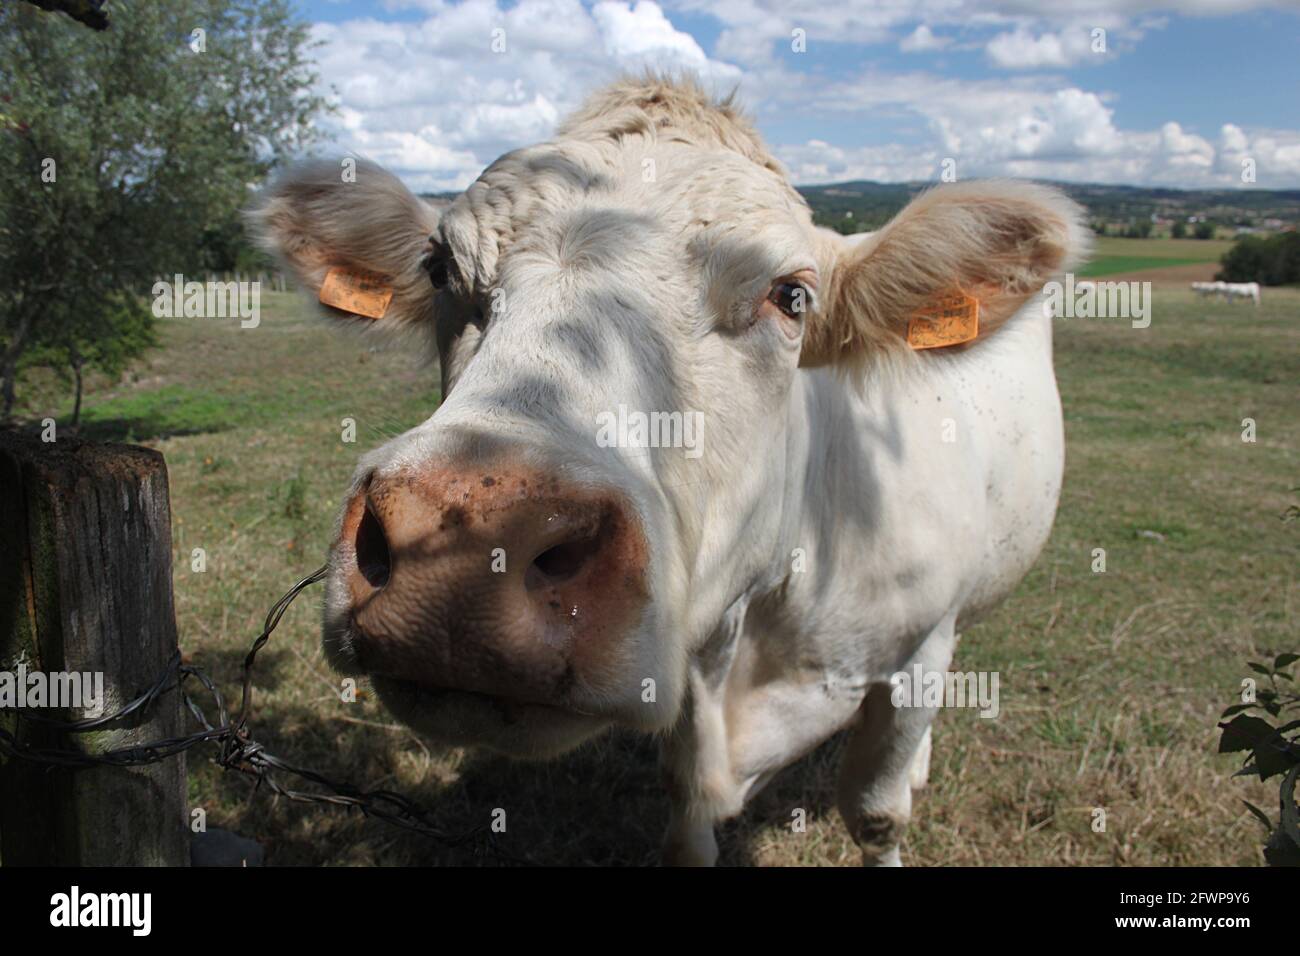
{"type": "Point", "coordinates": [1111, 683]}
{"type": "Point", "coordinates": [1114, 255]}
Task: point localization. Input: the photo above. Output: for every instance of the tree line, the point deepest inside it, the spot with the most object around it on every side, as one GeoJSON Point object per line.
{"type": "Point", "coordinates": [1268, 260]}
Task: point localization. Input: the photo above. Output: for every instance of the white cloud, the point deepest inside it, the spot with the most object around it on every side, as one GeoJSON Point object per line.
{"type": "Point", "coordinates": [1020, 49]}
{"type": "Point", "coordinates": [644, 31]}
{"type": "Point", "coordinates": [1093, 40]}
{"type": "Point", "coordinates": [1232, 139]}
{"type": "Point", "coordinates": [1275, 154]}
{"type": "Point", "coordinates": [817, 161]}
{"type": "Point", "coordinates": [922, 40]}
{"type": "Point", "coordinates": [1014, 128]}
{"type": "Point", "coordinates": [432, 100]}
{"type": "Point", "coordinates": [1035, 33]}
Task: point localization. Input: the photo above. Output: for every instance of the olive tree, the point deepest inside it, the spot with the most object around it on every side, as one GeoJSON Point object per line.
{"type": "Point", "coordinates": [121, 150]}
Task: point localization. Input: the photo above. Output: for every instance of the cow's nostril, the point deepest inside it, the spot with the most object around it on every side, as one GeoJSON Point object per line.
{"type": "Point", "coordinates": [560, 563]}
{"type": "Point", "coordinates": [372, 550]}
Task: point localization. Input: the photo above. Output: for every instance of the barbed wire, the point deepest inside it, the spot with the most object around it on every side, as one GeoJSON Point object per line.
{"type": "Point", "coordinates": [238, 750]}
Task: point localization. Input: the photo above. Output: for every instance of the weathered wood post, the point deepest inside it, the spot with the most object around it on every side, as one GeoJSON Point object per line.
{"type": "Point", "coordinates": [85, 586]}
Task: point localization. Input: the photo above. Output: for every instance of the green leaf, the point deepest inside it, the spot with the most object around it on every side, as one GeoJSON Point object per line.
{"type": "Point", "coordinates": [1284, 660]}
{"type": "Point", "coordinates": [1243, 732]}
{"type": "Point", "coordinates": [1260, 815]}
{"type": "Point", "coordinates": [1282, 850]}
{"type": "Point", "coordinates": [1271, 758]}
{"type": "Point", "coordinates": [1290, 815]}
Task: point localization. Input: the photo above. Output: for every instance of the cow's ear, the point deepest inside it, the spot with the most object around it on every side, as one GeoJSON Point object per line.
{"type": "Point", "coordinates": [320, 216]}
{"type": "Point", "coordinates": [995, 242]}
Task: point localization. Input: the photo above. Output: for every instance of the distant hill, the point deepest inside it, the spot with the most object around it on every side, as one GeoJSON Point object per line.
{"type": "Point", "coordinates": [862, 205]}
{"type": "Point", "coordinates": [872, 204]}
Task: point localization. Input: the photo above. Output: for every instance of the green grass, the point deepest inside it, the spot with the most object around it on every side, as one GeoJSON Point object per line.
{"type": "Point", "coordinates": [1111, 682]}
{"type": "Point", "coordinates": [1190, 250]}
{"type": "Point", "coordinates": [1114, 255]}
{"type": "Point", "coordinates": [1110, 265]}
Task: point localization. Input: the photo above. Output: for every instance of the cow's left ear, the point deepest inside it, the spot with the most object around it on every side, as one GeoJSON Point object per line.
{"type": "Point", "coordinates": [998, 242]}
{"type": "Point", "coordinates": [365, 226]}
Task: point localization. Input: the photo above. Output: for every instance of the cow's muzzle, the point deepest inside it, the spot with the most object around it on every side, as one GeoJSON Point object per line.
{"type": "Point", "coordinates": [500, 581]}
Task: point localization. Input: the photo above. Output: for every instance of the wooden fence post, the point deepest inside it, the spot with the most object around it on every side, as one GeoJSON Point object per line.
{"type": "Point", "coordinates": [85, 585]}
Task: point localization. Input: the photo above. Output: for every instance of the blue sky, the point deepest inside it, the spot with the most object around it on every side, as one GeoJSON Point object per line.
{"type": "Point", "coordinates": [883, 89]}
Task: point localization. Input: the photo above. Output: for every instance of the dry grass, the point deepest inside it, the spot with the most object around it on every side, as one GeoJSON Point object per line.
{"type": "Point", "coordinates": [1111, 683]}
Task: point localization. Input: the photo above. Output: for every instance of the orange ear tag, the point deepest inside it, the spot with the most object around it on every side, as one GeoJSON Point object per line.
{"type": "Point", "coordinates": [357, 291]}
{"type": "Point", "coordinates": [944, 320]}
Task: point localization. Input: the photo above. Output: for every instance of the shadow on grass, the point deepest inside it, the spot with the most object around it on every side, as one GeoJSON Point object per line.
{"type": "Point", "coordinates": [132, 430]}
{"type": "Point", "coordinates": [601, 805]}
{"type": "Point", "coordinates": [168, 411]}
{"type": "Point", "coordinates": [125, 430]}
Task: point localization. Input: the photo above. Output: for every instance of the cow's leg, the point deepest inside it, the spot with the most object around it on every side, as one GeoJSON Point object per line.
{"type": "Point", "coordinates": [919, 775]}
{"type": "Point", "coordinates": [684, 761]}
{"type": "Point", "coordinates": [690, 840]}
{"type": "Point", "coordinates": [695, 766]}
{"type": "Point", "coordinates": [695, 759]}
{"type": "Point", "coordinates": [883, 760]}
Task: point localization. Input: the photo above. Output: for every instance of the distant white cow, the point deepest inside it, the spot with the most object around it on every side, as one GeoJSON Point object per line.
{"type": "Point", "coordinates": [1241, 290]}
{"type": "Point", "coordinates": [1228, 291]}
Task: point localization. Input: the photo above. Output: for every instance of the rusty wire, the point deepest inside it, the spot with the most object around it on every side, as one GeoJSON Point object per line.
{"type": "Point", "coordinates": [238, 750]}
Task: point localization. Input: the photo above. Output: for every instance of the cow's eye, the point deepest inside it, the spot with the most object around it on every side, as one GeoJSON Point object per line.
{"type": "Point", "coordinates": [790, 297]}
{"type": "Point", "coordinates": [437, 267]}
{"type": "Point", "coordinates": [438, 264]}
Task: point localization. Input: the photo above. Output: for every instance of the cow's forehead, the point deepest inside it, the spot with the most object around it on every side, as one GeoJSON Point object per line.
{"type": "Point", "coordinates": [672, 189]}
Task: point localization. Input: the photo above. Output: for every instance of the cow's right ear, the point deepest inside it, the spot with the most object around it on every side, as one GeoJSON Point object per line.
{"type": "Point", "coordinates": [317, 216]}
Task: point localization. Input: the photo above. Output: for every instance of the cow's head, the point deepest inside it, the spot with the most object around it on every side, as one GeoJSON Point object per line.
{"type": "Point", "coordinates": [526, 567]}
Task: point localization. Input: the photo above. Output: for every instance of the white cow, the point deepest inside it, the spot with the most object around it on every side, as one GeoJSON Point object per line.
{"type": "Point", "coordinates": [1228, 291]}
{"type": "Point", "coordinates": [532, 564]}
{"type": "Point", "coordinates": [1241, 290]}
